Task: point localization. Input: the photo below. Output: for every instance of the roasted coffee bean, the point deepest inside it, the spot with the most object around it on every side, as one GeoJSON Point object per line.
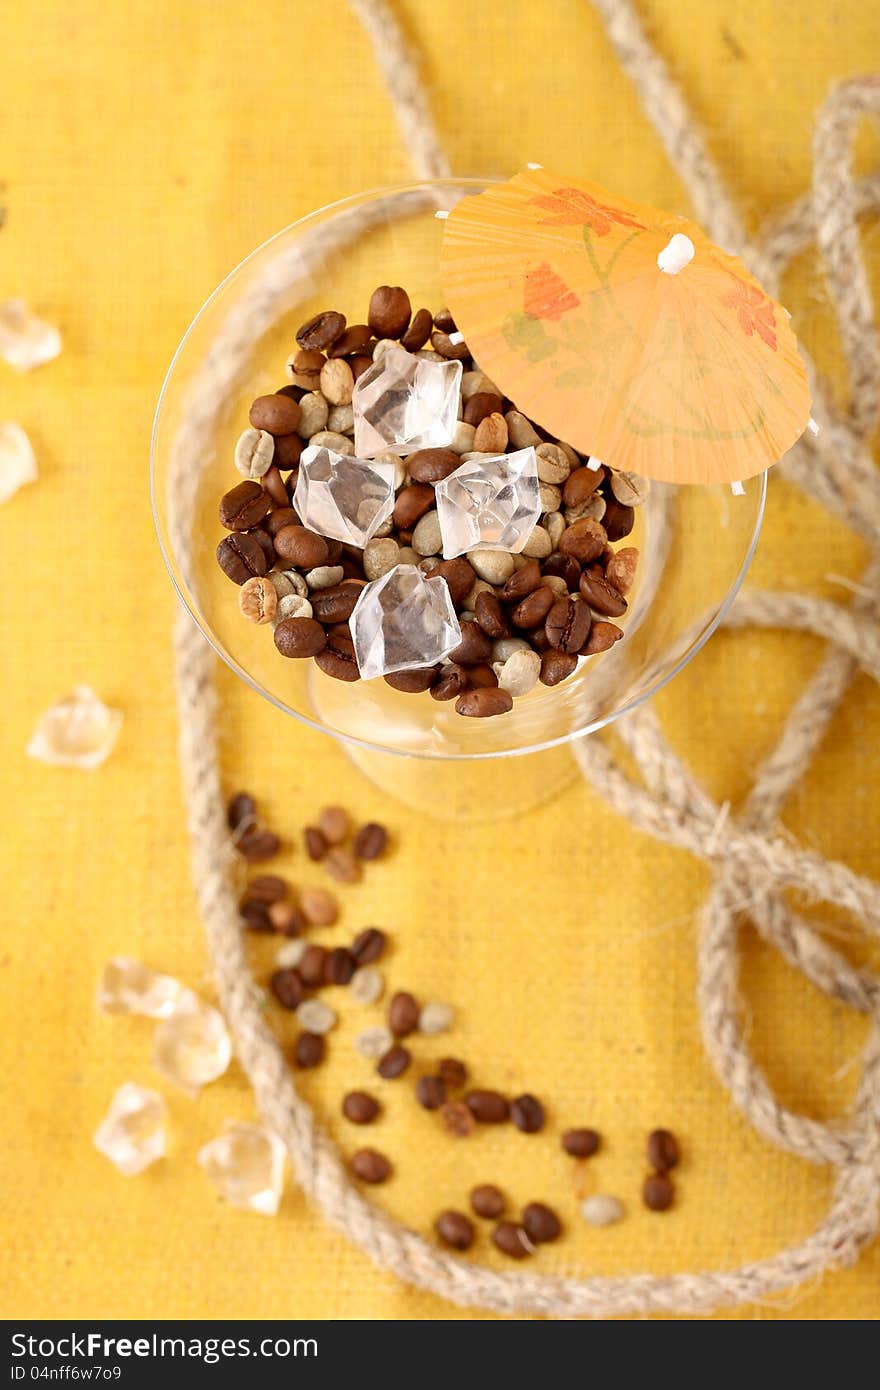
{"type": "Point", "coordinates": [412, 504]}
{"type": "Point", "coordinates": [288, 449]}
{"type": "Point", "coordinates": [360, 1107]}
{"type": "Point", "coordinates": [244, 506]}
{"type": "Point", "coordinates": [394, 1062]}
{"type": "Point", "coordinates": [255, 915]}
{"type": "Point", "coordinates": [288, 988]}
{"type": "Point", "coordinates": [353, 340]}
{"type": "Point", "coordinates": [338, 658]}
{"type": "Point", "coordinates": [389, 311]}
{"type": "Point", "coordinates": [580, 484]}
{"type": "Point", "coordinates": [474, 649]}
{"type": "Point", "coordinates": [431, 1092]}
{"type": "Point", "coordinates": [527, 1113]}
{"type": "Point", "coordinates": [480, 677]}
{"type": "Point", "coordinates": [339, 966]}
{"type": "Point", "coordinates": [511, 1240]}
{"type": "Point", "coordinates": [453, 1072]}
{"type": "Point", "coordinates": [602, 637]}
{"type": "Point", "coordinates": [522, 582]}
{"type": "Point", "coordinates": [301, 547]}
{"type": "Point", "coordinates": [276, 487]}
{"type": "Point", "coordinates": [368, 946]}
{"type": "Point", "coordinates": [581, 1143]}
{"type": "Point", "coordinates": [443, 344]}
{"type": "Point", "coordinates": [600, 595]}
{"type": "Point", "coordinates": [484, 703]}
{"type": "Point", "coordinates": [662, 1149]}
{"type": "Point", "coordinates": [258, 600]}
{"type": "Point", "coordinates": [334, 552]}
{"type": "Point", "coordinates": [460, 578]}
{"type": "Point", "coordinates": [305, 367]}
{"type": "Point", "coordinates": [418, 332]}
{"type": "Point", "coordinates": [454, 1229]}
{"type": "Point", "coordinates": [481, 405]}
{"type": "Point", "coordinates": [264, 541]}
{"type": "Point", "coordinates": [620, 568]}
{"type": "Point", "coordinates": [444, 321]}
{"type": "Point", "coordinates": [359, 364]}
{"type": "Point", "coordinates": [457, 1119]}
{"type": "Point", "coordinates": [286, 918]}
{"type": "Point", "coordinates": [275, 414]}
{"type": "Point", "coordinates": [565, 566]}
{"type": "Point", "coordinates": [488, 1201]}
{"type": "Point", "coordinates": [490, 615]}
{"type": "Point", "coordinates": [341, 864]}
{"type": "Point", "coordinates": [413, 682]}
{"type": "Point", "coordinates": [370, 1166]}
{"type": "Point", "coordinates": [568, 624]}
{"type": "Point", "coordinates": [489, 1107]}
{"type": "Point", "coordinates": [311, 966]}
{"type": "Point", "coordinates": [281, 517]}
{"type": "Point", "coordinates": [269, 888]}
{"type": "Point", "coordinates": [658, 1193]}
{"type": "Point", "coordinates": [452, 682]}
{"type": "Point", "coordinates": [240, 808]}
{"type": "Point", "coordinates": [371, 841]}
{"type": "Point", "coordinates": [531, 612]}
{"type": "Point", "coordinates": [295, 393]}
{"type": "Point", "coordinates": [540, 1223]}
{"type": "Point", "coordinates": [432, 465]}
{"type": "Point", "coordinates": [309, 1050]}
{"type": "Point", "coordinates": [256, 846]}
{"type": "Point", "coordinates": [321, 331]}
{"type": "Point", "coordinates": [335, 605]}
{"type": "Point", "coordinates": [299, 637]}
{"type": "Point", "coordinates": [319, 906]}
{"type": "Point", "coordinates": [403, 1014]}
{"type": "Point", "coordinates": [618, 520]}
{"type": "Point", "coordinates": [584, 540]}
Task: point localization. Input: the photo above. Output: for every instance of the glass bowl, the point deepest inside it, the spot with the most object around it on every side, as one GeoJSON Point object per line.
{"type": "Point", "coordinates": [696, 542]}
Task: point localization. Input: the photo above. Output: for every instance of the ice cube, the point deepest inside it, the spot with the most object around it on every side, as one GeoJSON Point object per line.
{"type": "Point", "coordinates": [246, 1165]}
{"type": "Point", "coordinates": [490, 503]}
{"type": "Point", "coordinates": [403, 621]}
{"type": "Point", "coordinates": [78, 731]}
{"type": "Point", "coordinates": [25, 340]}
{"type": "Point", "coordinates": [192, 1046]}
{"type": "Point", "coordinates": [404, 403]}
{"type": "Point", "coordinates": [132, 1133]}
{"type": "Point", "coordinates": [128, 987]}
{"type": "Point", "coordinates": [343, 497]}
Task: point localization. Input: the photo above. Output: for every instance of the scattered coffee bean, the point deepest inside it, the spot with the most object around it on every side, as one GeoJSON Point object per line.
{"type": "Point", "coordinates": [581, 1143]}
{"type": "Point", "coordinates": [431, 1092]}
{"type": "Point", "coordinates": [341, 864]}
{"type": "Point", "coordinates": [360, 1107]}
{"type": "Point", "coordinates": [319, 907]}
{"type": "Point", "coordinates": [512, 1240]}
{"type": "Point", "coordinates": [527, 1113]}
{"type": "Point", "coordinates": [403, 1014]}
{"type": "Point", "coordinates": [540, 1222]}
{"type": "Point", "coordinates": [658, 1192]}
{"type": "Point", "coordinates": [316, 845]}
{"type": "Point", "coordinates": [339, 966]}
{"type": "Point", "coordinates": [370, 1166]}
{"type": "Point", "coordinates": [316, 1016]}
{"type": "Point", "coordinates": [602, 1209]}
{"type": "Point", "coordinates": [367, 985]}
{"type": "Point", "coordinates": [435, 1017]}
{"type": "Point", "coordinates": [488, 1201]}
{"type": "Point", "coordinates": [321, 331]}
{"type": "Point", "coordinates": [255, 916]}
{"type": "Point", "coordinates": [488, 1107]}
{"type": "Point", "coordinates": [368, 945]}
{"type": "Point", "coordinates": [394, 1062]}
{"type": "Point", "coordinates": [241, 808]}
{"type": "Point", "coordinates": [334, 824]}
{"type": "Point", "coordinates": [311, 966]}
{"type": "Point", "coordinates": [256, 846]}
{"type": "Point", "coordinates": [453, 1072]}
{"type": "Point", "coordinates": [287, 986]}
{"type": "Point", "coordinates": [453, 1228]}
{"type": "Point", "coordinates": [662, 1150]}
{"type": "Point", "coordinates": [286, 918]}
{"type": "Point", "coordinates": [309, 1050]}
{"type": "Point", "coordinates": [269, 888]}
{"type": "Point", "coordinates": [370, 841]}
{"type": "Point", "coordinates": [457, 1118]}
{"type": "Point", "coordinates": [389, 312]}
{"type": "Point", "coordinates": [372, 1043]}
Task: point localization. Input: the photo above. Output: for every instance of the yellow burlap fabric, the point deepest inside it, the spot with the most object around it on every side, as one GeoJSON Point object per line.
{"type": "Point", "coordinates": [147, 151]}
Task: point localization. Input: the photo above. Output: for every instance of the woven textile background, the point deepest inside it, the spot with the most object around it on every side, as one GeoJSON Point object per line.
{"type": "Point", "coordinates": [143, 150]}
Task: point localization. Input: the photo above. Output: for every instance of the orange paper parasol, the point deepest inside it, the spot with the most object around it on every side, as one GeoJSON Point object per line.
{"type": "Point", "coordinates": [623, 330]}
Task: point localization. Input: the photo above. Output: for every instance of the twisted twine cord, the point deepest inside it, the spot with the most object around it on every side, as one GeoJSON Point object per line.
{"type": "Point", "coordinates": [753, 858]}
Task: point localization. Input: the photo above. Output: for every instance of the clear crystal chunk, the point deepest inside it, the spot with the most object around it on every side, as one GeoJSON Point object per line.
{"type": "Point", "coordinates": [128, 987]}
{"type": "Point", "coordinates": [25, 340]}
{"type": "Point", "coordinates": [246, 1165]}
{"type": "Point", "coordinates": [192, 1046]}
{"type": "Point", "coordinates": [18, 464]}
{"type": "Point", "coordinates": [404, 403]}
{"type": "Point", "coordinates": [132, 1133]}
{"type": "Point", "coordinates": [491, 503]}
{"type": "Point", "coordinates": [78, 731]}
{"type": "Point", "coordinates": [403, 621]}
{"type": "Point", "coordinates": [343, 497]}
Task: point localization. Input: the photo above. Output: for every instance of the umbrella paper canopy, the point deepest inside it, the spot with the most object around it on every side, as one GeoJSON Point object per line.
{"type": "Point", "coordinates": [623, 330]}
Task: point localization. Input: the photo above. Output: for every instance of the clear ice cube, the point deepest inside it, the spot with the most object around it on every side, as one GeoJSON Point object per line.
{"type": "Point", "coordinates": [192, 1046]}
{"type": "Point", "coordinates": [403, 621]}
{"type": "Point", "coordinates": [246, 1165]}
{"type": "Point", "coordinates": [404, 403]}
{"type": "Point", "coordinates": [132, 1133]}
{"type": "Point", "coordinates": [78, 731]}
{"type": "Point", "coordinates": [25, 340]}
{"type": "Point", "coordinates": [491, 503]}
{"type": "Point", "coordinates": [343, 497]}
{"type": "Point", "coordinates": [128, 987]}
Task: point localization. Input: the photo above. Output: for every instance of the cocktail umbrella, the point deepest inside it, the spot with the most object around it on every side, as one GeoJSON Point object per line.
{"type": "Point", "coordinates": [624, 330]}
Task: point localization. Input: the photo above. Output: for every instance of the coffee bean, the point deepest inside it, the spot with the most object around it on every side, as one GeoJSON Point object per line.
{"type": "Point", "coordinates": [481, 405]}
{"type": "Point", "coordinates": [540, 1223]}
{"type": "Point", "coordinates": [453, 1228]}
{"type": "Point", "coordinates": [287, 986]}
{"type": "Point", "coordinates": [484, 703]}
{"type": "Point", "coordinates": [240, 808]}
{"type": "Point", "coordinates": [256, 846]}
{"type": "Point", "coordinates": [334, 824]}
{"type": "Point", "coordinates": [580, 484]}
{"type": "Point", "coordinates": [360, 1107]}
{"type": "Point", "coordinates": [352, 341]}
{"type": "Point", "coordinates": [316, 845]}
{"type": "Point", "coordinates": [318, 333]}
{"type": "Point", "coordinates": [658, 1192]}
{"type": "Point", "coordinates": [394, 1062]}
{"type": "Point", "coordinates": [244, 506]}
{"type": "Point", "coordinates": [339, 966]}
{"type": "Point", "coordinates": [522, 582]}
{"type": "Point", "coordinates": [370, 841]}
{"type": "Point", "coordinates": [419, 331]}
{"type": "Point", "coordinates": [288, 449]}
{"type": "Point", "coordinates": [459, 576]}
{"type": "Point", "coordinates": [532, 611]}
{"type": "Point", "coordinates": [311, 966]}
{"type": "Point", "coordinates": [491, 616]}
{"type": "Point", "coordinates": [309, 1050]}
{"type": "Point", "coordinates": [511, 1240]}
{"type": "Point", "coordinates": [335, 605]}
{"type": "Point", "coordinates": [264, 541]}
{"type": "Point", "coordinates": [269, 888]}
{"type": "Point", "coordinates": [305, 367]}
{"type": "Point", "coordinates": [600, 595]}
{"type": "Point", "coordinates": [617, 519]}
{"type": "Point", "coordinates": [431, 1092]}
{"type": "Point", "coordinates": [452, 682]}
{"type": "Point", "coordinates": [301, 547]}
{"type": "Point", "coordinates": [457, 1118]}
{"type": "Point", "coordinates": [581, 1143]}
{"type": "Point", "coordinates": [286, 918]}
{"type": "Point", "coordinates": [275, 485]}
{"type": "Point", "coordinates": [255, 915]}
{"type": "Point", "coordinates": [565, 567]}
{"type": "Point", "coordinates": [443, 344]}
{"type": "Point", "coordinates": [662, 1149]}
{"type": "Point", "coordinates": [413, 682]}
{"type": "Point", "coordinates": [403, 1014]}
{"type": "Point", "coordinates": [602, 637]}
{"type": "Point", "coordinates": [489, 1107]}
{"type": "Point", "coordinates": [584, 540]}
{"type": "Point", "coordinates": [444, 321]}
{"type": "Point", "coordinates": [368, 945]}
{"type": "Point", "coordinates": [412, 504]}
{"type": "Point", "coordinates": [389, 311]}
{"type": "Point", "coordinates": [319, 906]}
{"type": "Point", "coordinates": [299, 637]}
{"type": "Point", "coordinates": [602, 1209]}
{"type": "Point", "coordinates": [341, 864]}
{"type": "Point", "coordinates": [453, 1072]}
{"type": "Point", "coordinates": [488, 1201]}
{"type": "Point", "coordinates": [431, 465]}
{"type": "Point", "coordinates": [568, 624]}
{"type": "Point", "coordinates": [527, 1113]}
{"type": "Point", "coordinates": [474, 649]}
{"type": "Point", "coordinates": [370, 1166]}
{"type": "Point", "coordinates": [258, 600]}
{"type": "Point", "coordinates": [279, 518]}
{"type": "Point", "coordinates": [338, 658]}
{"type": "Point", "coordinates": [275, 414]}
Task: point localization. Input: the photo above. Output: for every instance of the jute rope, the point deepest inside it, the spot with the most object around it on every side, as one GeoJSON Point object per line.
{"type": "Point", "coordinates": [754, 860]}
